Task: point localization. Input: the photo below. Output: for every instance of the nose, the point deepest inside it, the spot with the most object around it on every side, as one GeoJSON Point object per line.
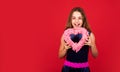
{"type": "Point", "coordinates": [76, 20]}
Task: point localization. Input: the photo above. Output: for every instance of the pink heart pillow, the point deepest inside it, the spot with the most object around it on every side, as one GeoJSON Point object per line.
{"type": "Point", "coordinates": [75, 46]}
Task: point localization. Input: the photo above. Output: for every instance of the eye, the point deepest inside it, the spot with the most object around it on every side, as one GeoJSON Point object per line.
{"type": "Point", "coordinates": [79, 17]}
{"type": "Point", "coordinates": [73, 17]}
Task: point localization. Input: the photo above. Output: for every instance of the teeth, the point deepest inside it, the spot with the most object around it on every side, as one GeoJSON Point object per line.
{"type": "Point", "coordinates": [77, 24]}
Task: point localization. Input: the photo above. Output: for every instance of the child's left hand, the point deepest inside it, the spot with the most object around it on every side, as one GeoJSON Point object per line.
{"type": "Point", "coordinates": [88, 41]}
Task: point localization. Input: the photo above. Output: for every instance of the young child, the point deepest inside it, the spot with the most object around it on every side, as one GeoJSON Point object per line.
{"type": "Point", "coordinates": [77, 61]}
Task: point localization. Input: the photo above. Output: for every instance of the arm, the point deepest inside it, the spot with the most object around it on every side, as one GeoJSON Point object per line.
{"type": "Point", "coordinates": [63, 48]}
{"type": "Point", "coordinates": [93, 46]}
{"type": "Point", "coordinates": [91, 43]}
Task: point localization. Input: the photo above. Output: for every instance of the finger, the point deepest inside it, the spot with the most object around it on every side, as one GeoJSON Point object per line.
{"type": "Point", "coordinates": [66, 44]}
{"type": "Point", "coordinates": [85, 43]}
{"type": "Point", "coordinates": [67, 47]}
{"type": "Point", "coordinates": [87, 40]}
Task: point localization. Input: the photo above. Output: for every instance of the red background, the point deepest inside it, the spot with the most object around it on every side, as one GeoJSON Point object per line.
{"type": "Point", "coordinates": [30, 34]}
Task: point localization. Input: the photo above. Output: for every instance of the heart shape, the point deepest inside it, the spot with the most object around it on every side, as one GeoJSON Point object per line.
{"type": "Point", "coordinates": [78, 43]}
{"type": "Point", "coordinates": [76, 38]}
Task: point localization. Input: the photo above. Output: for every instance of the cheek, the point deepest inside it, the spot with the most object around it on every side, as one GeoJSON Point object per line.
{"type": "Point", "coordinates": [73, 20]}
{"type": "Point", "coordinates": [81, 21]}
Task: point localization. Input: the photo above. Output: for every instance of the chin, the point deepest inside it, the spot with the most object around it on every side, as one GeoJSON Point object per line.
{"type": "Point", "coordinates": [77, 27]}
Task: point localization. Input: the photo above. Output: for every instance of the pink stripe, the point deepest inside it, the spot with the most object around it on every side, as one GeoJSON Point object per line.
{"type": "Point", "coordinates": [76, 65]}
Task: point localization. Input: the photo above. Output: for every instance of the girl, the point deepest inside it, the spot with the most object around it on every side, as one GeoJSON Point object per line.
{"type": "Point", "coordinates": [77, 62]}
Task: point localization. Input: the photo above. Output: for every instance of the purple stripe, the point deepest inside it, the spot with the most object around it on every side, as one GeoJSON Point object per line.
{"type": "Point", "coordinates": [76, 65]}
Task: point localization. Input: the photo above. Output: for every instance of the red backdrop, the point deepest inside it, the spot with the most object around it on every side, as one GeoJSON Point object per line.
{"type": "Point", "coordinates": [30, 34]}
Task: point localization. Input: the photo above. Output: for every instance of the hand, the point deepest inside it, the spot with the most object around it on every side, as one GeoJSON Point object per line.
{"type": "Point", "coordinates": [88, 41]}
{"type": "Point", "coordinates": [67, 46]}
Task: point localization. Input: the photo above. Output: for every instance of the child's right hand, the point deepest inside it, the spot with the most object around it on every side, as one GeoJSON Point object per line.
{"type": "Point", "coordinates": [67, 46]}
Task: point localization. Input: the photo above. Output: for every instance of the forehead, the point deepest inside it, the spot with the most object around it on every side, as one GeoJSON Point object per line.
{"type": "Point", "coordinates": [76, 13]}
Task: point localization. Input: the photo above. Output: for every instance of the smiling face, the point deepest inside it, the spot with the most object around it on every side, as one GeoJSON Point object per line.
{"type": "Point", "coordinates": [76, 19]}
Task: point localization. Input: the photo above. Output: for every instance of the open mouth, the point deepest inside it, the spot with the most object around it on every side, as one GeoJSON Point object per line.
{"type": "Point", "coordinates": [77, 25]}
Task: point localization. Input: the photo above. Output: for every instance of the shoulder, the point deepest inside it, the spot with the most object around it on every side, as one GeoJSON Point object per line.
{"type": "Point", "coordinates": [92, 36]}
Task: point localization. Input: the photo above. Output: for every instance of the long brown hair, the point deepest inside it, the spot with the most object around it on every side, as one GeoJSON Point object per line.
{"type": "Point", "coordinates": [85, 22]}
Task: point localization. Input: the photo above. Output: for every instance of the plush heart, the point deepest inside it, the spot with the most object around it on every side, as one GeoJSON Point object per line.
{"type": "Point", "coordinates": [72, 37]}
